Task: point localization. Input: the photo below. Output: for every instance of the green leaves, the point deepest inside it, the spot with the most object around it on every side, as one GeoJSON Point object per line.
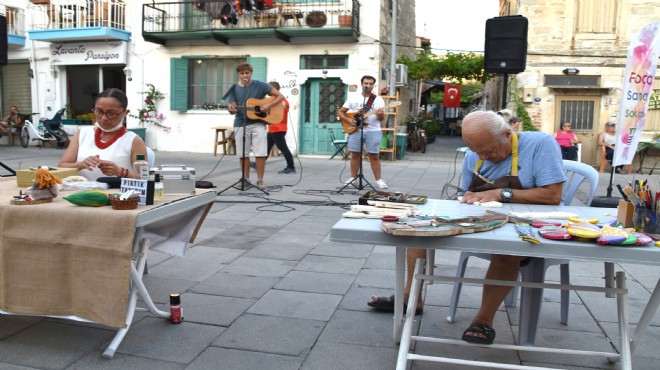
{"type": "Point", "coordinates": [454, 67]}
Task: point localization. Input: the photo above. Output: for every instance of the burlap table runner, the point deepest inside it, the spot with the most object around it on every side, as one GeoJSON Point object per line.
{"type": "Point", "coordinates": [62, 259]}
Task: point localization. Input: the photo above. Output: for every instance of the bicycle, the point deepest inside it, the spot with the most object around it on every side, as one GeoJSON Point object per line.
{"type": "Point", "coordinates": [57, 137]}
{"type": "Point", "coordinates": [417, 136]}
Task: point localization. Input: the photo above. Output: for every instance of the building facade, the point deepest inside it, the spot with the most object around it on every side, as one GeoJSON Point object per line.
{"type": "Point", "coordinates": [188, 50]}
{"type": "Point", "coordinates": [576, 56]}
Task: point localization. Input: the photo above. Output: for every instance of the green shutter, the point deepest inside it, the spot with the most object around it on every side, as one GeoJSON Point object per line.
{"type": "Point", "coordinates": [258, 68]}
{"type": "Point", "coordinates": [179, 84]}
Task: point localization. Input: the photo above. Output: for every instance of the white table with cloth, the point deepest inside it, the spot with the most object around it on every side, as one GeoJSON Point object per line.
{"type": "Point", "coordinates": [504, 240]}
{"type": "Point", "coordinates": [86, 263]}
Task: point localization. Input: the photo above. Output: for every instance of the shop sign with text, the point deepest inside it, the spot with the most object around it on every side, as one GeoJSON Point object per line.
{"type": "Point", "coordinates": [88, 53]}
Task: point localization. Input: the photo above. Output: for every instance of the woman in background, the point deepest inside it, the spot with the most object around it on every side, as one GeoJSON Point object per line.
{"type": "Point", "coordinates": [606, 141]}
{"type": "Point", "coordinates": [568, 141]}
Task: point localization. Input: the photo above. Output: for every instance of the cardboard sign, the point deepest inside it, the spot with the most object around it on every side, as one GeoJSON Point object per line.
{"type": "Point", "coordinates": [143, 187]}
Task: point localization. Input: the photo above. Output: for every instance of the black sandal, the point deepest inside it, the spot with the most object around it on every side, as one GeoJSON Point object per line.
{"type": "Point", "coordinates": [387, 304]}
{"type": "Point", "coordinates": [479, 328]}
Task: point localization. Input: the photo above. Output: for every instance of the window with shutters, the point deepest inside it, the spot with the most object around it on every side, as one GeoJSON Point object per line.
{"type": "Point", "coordinates": [596, 16]}
{"type": "Point", "coordinates": [201, 82]}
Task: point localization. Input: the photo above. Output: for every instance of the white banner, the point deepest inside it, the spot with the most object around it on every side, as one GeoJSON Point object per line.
{"type": "Point", "coordinates": [637, 85]}
{"type": "Point", "coordinates": [88, 53]}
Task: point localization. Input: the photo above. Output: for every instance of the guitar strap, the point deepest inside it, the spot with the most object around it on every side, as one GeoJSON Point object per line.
{"type": "Point", "coordinates": [370, 101]}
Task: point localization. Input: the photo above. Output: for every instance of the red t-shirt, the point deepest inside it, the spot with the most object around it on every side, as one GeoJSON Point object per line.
{"type": "Point", "coordinates": [281, 127]}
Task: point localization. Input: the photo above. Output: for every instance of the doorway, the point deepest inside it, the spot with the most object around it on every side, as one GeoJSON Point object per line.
{"type": "Point", "coordinates": [583, 112]}
{"type": "Point", "coordinates": [319, 100]}
{"type": "Point", "coordinates": [84, 83]}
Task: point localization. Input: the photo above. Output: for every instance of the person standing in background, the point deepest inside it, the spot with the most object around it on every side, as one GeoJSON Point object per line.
{"type": "Point", "coordinates": [277, 136]}
{"type": "Point", "coordinates": [516, 124]}
{"type": "Point", "coordinates": [360, 103]}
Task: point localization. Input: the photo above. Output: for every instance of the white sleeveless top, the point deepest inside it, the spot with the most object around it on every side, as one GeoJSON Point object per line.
{"type": "Point", "coordinates": [609, 139]}
{"type": "Point", "coordinates": [119, 152]}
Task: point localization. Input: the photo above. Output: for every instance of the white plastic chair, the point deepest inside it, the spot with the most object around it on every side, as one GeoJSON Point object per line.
{"type": "Point", "coordinates": [151, 158]}
{"type": "Point", "coordinates": [534, 268]}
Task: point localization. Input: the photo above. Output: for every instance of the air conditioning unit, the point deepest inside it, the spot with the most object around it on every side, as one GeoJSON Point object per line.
{"type": "Point", "coordinates": [401, 75]}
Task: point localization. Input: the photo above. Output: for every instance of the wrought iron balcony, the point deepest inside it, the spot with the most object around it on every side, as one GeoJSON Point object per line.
{"type": "Point", "coordinates": [209, 22]}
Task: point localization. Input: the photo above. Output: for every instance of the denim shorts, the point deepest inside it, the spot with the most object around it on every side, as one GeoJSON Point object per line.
{"type": "Point", "coordinates": [371, 141]}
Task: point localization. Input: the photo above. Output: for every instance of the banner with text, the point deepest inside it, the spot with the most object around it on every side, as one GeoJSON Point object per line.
{"type": "Point", "coordinates": [88, 53]}
{"type": "Point", "coordinates": [637, 85]}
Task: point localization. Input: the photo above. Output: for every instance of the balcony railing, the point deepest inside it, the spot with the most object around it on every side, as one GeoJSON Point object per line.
{"type": "Point", "coordinates": [70, 14]}
{"type": "Point", "coordinates": [221, 16]}
{"type": "Point", "coordinates": [15, 21]}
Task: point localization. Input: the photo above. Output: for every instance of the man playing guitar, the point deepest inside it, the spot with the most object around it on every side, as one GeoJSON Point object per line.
{"type": "Point", "coordinates": [364, 103]}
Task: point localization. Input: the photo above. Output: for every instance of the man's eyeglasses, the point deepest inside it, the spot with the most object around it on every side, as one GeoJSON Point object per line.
{"type": "Point", "coordinates": [111, 115]}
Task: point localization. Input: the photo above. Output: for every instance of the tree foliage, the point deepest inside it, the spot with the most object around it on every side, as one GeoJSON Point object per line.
{"type": "Point", "coordinates": [454, 67]}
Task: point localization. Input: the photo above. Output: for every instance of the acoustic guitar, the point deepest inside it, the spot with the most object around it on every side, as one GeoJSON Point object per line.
{"type": "Point", "coordinates": [254, 112]}
{"type": "Point", "coordinates": [349, 129]}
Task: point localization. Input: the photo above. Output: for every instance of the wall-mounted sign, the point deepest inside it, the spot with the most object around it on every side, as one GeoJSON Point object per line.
{"type": "Point", "coordinates": [88, 53]}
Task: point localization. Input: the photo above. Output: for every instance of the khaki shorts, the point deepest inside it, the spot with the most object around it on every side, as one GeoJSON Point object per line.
{"type": "Point", "coordinates": [255, 139]}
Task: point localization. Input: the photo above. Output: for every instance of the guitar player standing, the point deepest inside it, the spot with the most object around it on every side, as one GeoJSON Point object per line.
{"type": "Point", "coordinates": [255, 130]}
{"type": "Point", "coordinates": [362, 104]}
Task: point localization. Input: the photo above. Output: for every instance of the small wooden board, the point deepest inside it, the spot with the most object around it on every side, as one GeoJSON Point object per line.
{"type": "Point", "coordinates": [473, 224]}
{"type": "Point", "coordinates": [30, 202]}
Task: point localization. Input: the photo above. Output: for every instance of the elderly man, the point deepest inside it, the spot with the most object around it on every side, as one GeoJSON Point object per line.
{"type": "Point", "coordinates": [11, 120]}
{"type": "Point", "coordinates": [506, 167]}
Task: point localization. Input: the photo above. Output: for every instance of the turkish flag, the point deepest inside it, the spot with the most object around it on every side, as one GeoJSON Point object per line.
{"type": "Point", "coordinates": [452, 96]}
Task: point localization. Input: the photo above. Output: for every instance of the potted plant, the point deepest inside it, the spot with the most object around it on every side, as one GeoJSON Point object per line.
{"type": "Point", "coordinates": [148, 113]}
{"type": "Point", "coordinates": [345, 20]}
{"type": "Point", "coordinates": [432, 129]}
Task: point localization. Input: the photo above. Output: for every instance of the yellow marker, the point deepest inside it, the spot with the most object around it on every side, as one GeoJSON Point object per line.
{"type": "Point", "coordinates": [657, 244]}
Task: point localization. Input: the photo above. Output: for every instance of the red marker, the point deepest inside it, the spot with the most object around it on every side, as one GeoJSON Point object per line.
{"type": "Point", "coordinates": [176, 313]}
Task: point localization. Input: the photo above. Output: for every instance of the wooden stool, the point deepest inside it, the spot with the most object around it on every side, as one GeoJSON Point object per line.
{"type": "Point", "coordinates": [224, 141]}
{"type": "Point", "coordinates": [274, 151]}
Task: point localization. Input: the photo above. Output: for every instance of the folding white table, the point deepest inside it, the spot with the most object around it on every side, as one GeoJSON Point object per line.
{"type": "Point", "coordinates": [505, 240]}
{"type": "Point", "coordinates": [167, 226]}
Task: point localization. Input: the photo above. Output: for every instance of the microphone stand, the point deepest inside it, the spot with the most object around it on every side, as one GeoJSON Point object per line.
{"type": "Point", "coordinates": [243, 180]}
{"type": "Point", "coordinates": [360, 177]}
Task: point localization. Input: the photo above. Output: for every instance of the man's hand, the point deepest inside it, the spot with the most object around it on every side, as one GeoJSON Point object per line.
{"type": "Point", "coordinates": [482, 196]}
{"type": "Point", "coordinates": [232, 108]}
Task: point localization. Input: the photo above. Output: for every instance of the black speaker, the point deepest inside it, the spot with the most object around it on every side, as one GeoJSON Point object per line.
{"type": "Point", "coordinates": [3, 40]}
{"type": "Point", "coordinates": [505, 50]}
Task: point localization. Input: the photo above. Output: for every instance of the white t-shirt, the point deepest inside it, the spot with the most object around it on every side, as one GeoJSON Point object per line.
{"type": "Point", "coordinates": [119, 152]}
{"type": "Point", "coordinates": [356, 101]}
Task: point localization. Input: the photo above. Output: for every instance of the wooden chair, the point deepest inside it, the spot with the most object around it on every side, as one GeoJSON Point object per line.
{"type": "Point", "coordinates": [227, 142]}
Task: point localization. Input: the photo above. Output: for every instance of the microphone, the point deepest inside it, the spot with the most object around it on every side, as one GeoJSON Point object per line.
{"type": "Point", "coordinates": [245, 81]}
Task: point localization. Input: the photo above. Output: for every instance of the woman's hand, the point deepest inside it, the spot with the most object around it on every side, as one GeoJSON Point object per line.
{"type": "Point", "coordinates": [109, 168]}
{"type": "Point", "coordinates": [90, 162]}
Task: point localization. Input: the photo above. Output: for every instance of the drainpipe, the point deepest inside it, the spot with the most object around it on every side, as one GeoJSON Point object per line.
{"type": "Point", "coordinates": [393, 51]}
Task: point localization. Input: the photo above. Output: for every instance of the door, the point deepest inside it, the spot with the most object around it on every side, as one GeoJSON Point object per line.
{"type": "Point", "coordinates": [582, 112]}
{"type": "Point", "coordinates": [16, 87]}
{"type": "Point", "coordinates": [320, 99]}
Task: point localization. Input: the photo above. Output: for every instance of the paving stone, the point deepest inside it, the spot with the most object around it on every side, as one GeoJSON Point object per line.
{"type": "Point", "coordinates": [271, 334]}
{"type": "Point", "coordinates": [279, 251]}
{"type": "Point", "coordinates": [213, 310]}
{"type": "Point", "coordinates": [159, 339]}
{"type": "Point", "coordinates": [316, 282]}
{"type": "Point", "coordinates": [96, 361]}
{"type": "Point", "coordinates": [333, 249]}
{"type": "Point", "coordinates": [10, 324]}
{"type": "Point", "coordinates": [324, 356]}
{"type": "Point", "coordinates": [337, 265]}
{"type": "Point", "coordinates": [259, 267]}
{"type": "Point", "coordinates": [50, 345]}
{"type": "Point", "coordinates": [235, 285]}
{"type": "Point", "coordinates": [362, 328]}
{"type": "Point", "coordinates": [200, 262]}
{"type": "Point", "coordinates": [301, 305]}
{"type": "Point", "coordinates": [231, 359]}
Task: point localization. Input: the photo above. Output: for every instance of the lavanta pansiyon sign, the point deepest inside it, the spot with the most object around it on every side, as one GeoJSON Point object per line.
{"type": "Point", "coordinates": [88, 53]}
{"type": "Point", "coordinates": [637, 86]}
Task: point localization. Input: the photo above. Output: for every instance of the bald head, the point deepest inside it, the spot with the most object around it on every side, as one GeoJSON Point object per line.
{"type": "Point", "coordinates": [487, 134]}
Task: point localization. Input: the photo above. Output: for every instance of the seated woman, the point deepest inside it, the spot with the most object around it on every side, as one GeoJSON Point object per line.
{"type": "Point", "coordinates": [606, 141]}
{"type": "Point", "coordinates": [107, 148]}
{"type": "Point", "coordinates": [12, 121]}
{"type": "Point", "coordinates": [568, 142]}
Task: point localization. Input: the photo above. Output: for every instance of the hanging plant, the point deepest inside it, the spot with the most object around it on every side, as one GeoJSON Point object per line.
{"type": "Point", "coordinates": [148, 113]}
